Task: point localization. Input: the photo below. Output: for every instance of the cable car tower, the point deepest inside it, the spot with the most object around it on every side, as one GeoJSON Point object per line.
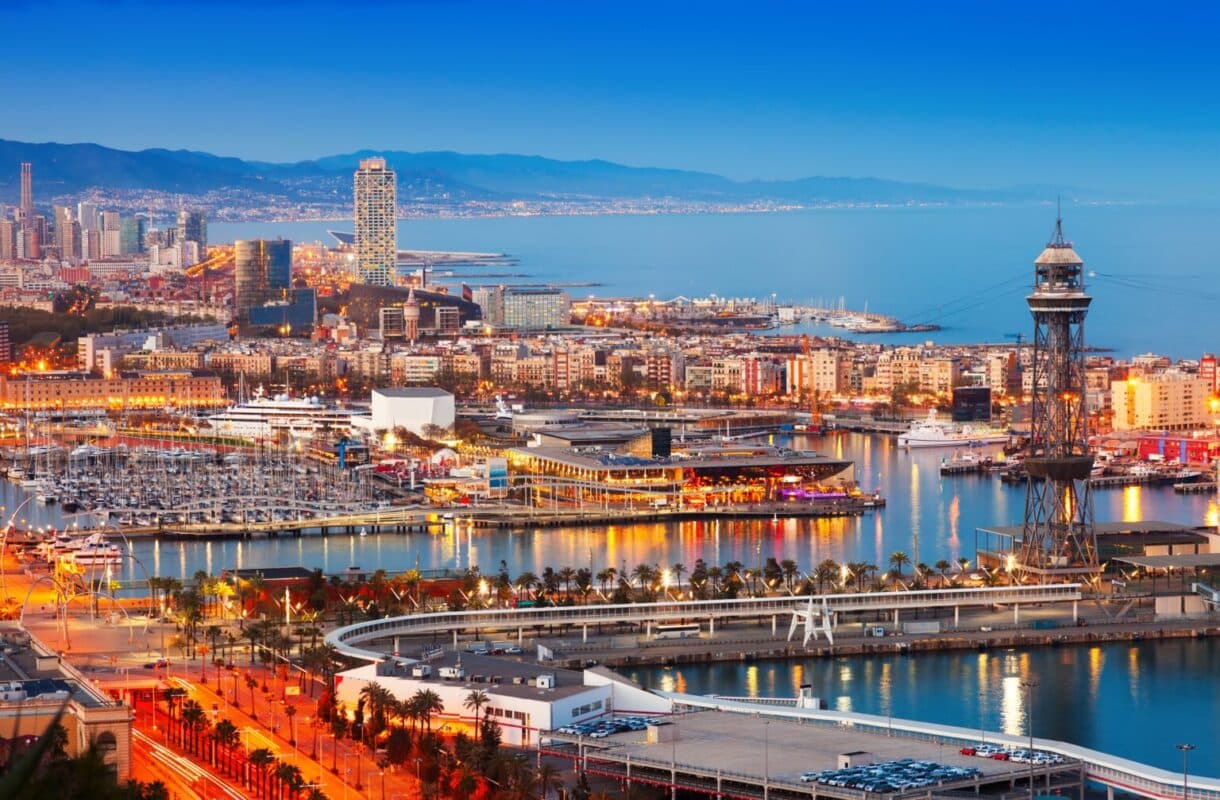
{"type": "Point", "coordinates": [1058, 540]}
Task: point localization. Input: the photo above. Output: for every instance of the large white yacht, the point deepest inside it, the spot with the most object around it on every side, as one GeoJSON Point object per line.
{"type": "Point", "coordinates": [932, 432]}
{"type": "Point", "coordinates": [264, 417]}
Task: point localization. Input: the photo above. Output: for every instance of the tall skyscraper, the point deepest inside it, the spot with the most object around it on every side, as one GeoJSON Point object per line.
{"type": "Point", "coordinates": [262, 271]}
{"type": "Point", "coordinates": [376, 198]}
{"type": "Point", "coordinates": [27, 190]}
{"type": "Point", "coordinates": [193, 227]}
{"type": "Point", "coordinates": [131, 235]}
{"type": "Point", "coordinates": [8, 239]}
{"type": "Point", "coordinates": [6, 344]}
{"type": "Point", "coordinates": [88, 217]}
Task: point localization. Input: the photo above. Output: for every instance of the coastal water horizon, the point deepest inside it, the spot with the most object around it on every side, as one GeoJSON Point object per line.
{"type": "Point", "coordinates": [966, 269]}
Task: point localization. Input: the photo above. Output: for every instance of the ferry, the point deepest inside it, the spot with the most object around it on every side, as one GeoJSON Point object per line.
{"type": "Point", "coordinates": [932, 432]}
{"type": "Point", "coordinates": [265, 417]}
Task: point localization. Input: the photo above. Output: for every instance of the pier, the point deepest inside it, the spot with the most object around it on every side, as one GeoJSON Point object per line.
{"type": "Point", "coordinates": [809, 738]}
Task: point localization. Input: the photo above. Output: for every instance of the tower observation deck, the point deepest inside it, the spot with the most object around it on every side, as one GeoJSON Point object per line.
{"type": "Point", "coordinates": [1058, 539]}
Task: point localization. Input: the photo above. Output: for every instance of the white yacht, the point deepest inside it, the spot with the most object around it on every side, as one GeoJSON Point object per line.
{"type": "Point", "coordinates": [95, 551]}
{"type": "Point", "coordinates": [265, 417]}
{"type": "Point", "coordinates": [932, 432]}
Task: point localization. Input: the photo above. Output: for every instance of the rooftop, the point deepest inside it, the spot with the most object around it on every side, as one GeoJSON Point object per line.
{"type": "Point", "coordinates": [481, 671]}
{"type": "Point", "coordinates": [413, 391]}
{"type": "Point", "coordinates": [610, 460]}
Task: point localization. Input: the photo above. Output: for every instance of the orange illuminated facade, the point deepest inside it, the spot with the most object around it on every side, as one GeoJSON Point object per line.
{"type": "Point", "coordinates": [83, 391]}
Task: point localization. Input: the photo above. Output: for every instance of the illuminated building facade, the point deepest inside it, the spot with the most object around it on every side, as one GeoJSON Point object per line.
{"type": "Point", "coordinates": [376, 206]}
{"type": "Point", "coordinates": [748, 474]}
{"type": "Point", "coordinates": [68, 392]}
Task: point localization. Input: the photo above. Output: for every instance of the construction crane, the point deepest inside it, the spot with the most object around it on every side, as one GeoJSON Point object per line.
{"type": "Point", "coordinates": [815, 406]}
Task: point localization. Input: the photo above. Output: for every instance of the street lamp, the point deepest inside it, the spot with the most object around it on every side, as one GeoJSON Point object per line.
{"type": "Point", "coordinates": [1185, 748]}
{"type": "Point", "coordinates": [1029, 687]}
{"type": "Point", "coordinates": [766, 759]}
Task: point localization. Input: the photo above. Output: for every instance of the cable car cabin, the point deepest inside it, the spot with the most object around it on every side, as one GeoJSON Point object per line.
{"type": "Point", "coordinates": [676, 631]}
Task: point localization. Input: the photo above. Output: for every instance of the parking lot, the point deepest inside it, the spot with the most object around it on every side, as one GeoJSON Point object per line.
{"type": "Point", "coordinates": [789, 752]}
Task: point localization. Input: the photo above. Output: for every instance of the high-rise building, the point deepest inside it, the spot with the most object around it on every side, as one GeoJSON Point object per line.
{"type": "Point", "coordinates": [131, 235]}
{"type": "Point", "coordinates": [534, 308]}
{"type": "Point", "coordinates": [27, 190]}
{"type": "Point", "coordinates": [8, 239]}
{"type": "Point", "coordinates": [6, 343]}
{"type": "Point", "coordinates": [1208, 372]}
{"type": "Point", "coordinates": [262, 271]}
{"type": "Point", "coordinates": [88, 216]}
{"type": "Point", "coordinates": [376, 202]}
{"type": "Point", "coordinates": [193, 227]}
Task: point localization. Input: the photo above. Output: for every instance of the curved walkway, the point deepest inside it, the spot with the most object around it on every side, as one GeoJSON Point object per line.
{"type": "Point", "coordinates": [347, 639]}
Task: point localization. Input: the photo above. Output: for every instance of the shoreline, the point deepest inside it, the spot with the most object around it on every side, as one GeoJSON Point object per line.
{"type": "Point", "coordinates": [711, 652]}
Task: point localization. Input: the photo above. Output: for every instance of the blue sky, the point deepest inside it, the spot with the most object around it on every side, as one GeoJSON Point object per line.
{"type": "Point", "coordinates": [1116, 97]}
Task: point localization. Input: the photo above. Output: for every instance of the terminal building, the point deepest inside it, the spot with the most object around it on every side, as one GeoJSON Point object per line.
{"type": "Point", "coordinates": [693, 477]}
{"type": "Point", "coordinates": [524, 698]}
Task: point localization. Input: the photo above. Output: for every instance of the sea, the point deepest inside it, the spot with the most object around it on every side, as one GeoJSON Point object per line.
{"type": "Point", "coordinates": [1150, 268]}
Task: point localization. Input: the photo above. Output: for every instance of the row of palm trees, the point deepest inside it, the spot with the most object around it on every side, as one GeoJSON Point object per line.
{"type": "Point", "coordinates": [218, 745]}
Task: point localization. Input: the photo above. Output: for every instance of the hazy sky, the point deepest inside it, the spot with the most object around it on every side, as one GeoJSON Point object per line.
{"type": "Point", "coordinates": [1119, 97]}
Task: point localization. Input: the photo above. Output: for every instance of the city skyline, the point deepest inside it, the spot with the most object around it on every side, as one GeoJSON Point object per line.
{"type": "Point", "coordinates": [951, 94]}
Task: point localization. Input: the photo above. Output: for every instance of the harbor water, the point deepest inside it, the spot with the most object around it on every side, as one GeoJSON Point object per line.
{"type": "Point", "coordinates": [927, 516]}
{"type": "Point", "coordinates": [1132, 699]}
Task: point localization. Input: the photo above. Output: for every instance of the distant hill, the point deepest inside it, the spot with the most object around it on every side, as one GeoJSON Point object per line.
{"type": "Point", "coordinates": [65, 169]}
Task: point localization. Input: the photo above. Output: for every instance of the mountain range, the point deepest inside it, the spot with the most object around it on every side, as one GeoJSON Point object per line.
{"type": "Point", "coordinates": [444, 177]}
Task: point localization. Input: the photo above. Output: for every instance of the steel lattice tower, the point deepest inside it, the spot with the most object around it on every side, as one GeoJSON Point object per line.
{"type": "Point", "coordinates": [1058, 539]}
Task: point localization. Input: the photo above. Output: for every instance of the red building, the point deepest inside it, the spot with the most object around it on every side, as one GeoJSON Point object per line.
{"type": "Point", "coordinates": [74, 274]}
{"type": "Point", "coordinates": [1176, 448]}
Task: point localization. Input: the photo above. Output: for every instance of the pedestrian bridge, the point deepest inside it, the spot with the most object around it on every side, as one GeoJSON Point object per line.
{"type": "Point", "coordinates": [826, 607]}
{"type": "Point", "coordinates": [1114, 773]}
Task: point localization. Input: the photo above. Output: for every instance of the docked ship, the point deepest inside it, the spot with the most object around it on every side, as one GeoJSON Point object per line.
{"type": "Point", "coordinates": [266, 417]}
{"type": "Point", "coordinates": [932, 432]}
{"type": "Point", "coordinates": [95, 551]}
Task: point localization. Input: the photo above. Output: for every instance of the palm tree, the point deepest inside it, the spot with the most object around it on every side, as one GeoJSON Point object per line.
{"type": "Point", "coordinates": [475, 701]}
{"type": "Point", "coordinates": [677, 570]}
{"type": "Point", "coordinates": [942, 567]}
{"type": "Point", "coordinates": [192, 720]}
{"type": "Point", "coordinates": [227, 737]}
{"type": "Point", "coordinates": [378, 700]}
{"type": "Point", "coordinates": [606, 576]}
{"type": "Point", "coordinates": [548, 779]}
{"type": "Point", "coordinates": [429, 703]}
{"type": "Point", "coordinates": [251, 683]}
{"type": "Point", "coordinates": [290, 711]}
{"type": "Point", "coordinates": [825, 572]}
{"type": "Point", "coordinates": [261, 759]}
{"type": "Point", "coordinates": [567, 574]}
{"type": "Point", "coordinates": [526, 581]}
{"type": "Point", "coordinates": [790, 570]}
{"type": "Point", "coordinates": [898, 560]}
{"type": "Point", "coordinates": [289, 778]}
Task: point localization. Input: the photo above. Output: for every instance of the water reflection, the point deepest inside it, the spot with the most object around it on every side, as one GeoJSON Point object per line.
{"type": "Point", "coordinates": [929, 517]}
{"type": "Point", "coordinates": [1126, 699]}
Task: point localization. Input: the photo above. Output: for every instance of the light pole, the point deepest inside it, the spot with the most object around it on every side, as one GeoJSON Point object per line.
{"type": "Point", "coordinates": [766, 759]}
{"type": "Point", "coordinates": [982, 716]}
{"type": "Point", "coordinates": [1185, 748]}
{"type": "Point", "coordinates": [1029, 687]}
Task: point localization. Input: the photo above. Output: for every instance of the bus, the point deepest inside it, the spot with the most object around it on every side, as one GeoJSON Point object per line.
{"type": "Point", "coordinates": [683, 630]}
